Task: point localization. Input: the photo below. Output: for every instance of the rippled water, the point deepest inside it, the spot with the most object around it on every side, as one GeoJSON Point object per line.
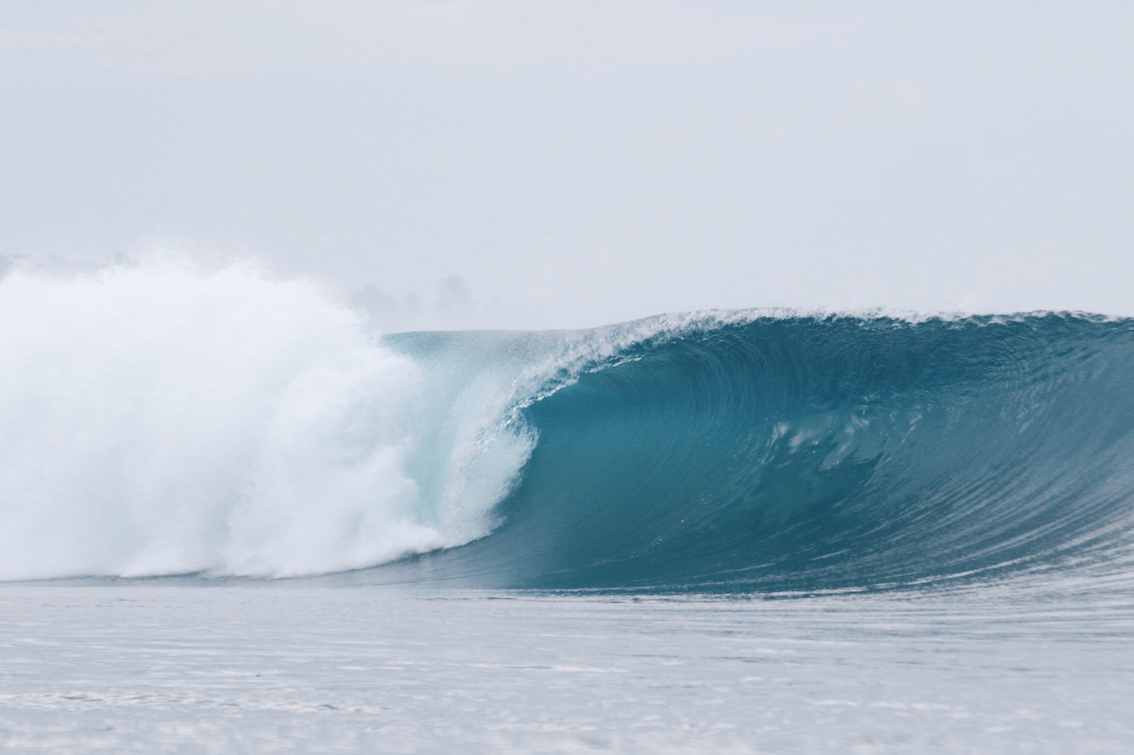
{"type": "Point", "coordinates": [173, 666]}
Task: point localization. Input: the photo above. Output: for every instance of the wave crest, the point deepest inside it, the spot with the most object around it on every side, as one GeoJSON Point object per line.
{"type": "Point", "coordinates": [158, 419]}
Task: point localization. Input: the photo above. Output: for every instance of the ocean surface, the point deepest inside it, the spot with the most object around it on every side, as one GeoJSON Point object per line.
{"type": "Point", "coordinates": [232, 520]}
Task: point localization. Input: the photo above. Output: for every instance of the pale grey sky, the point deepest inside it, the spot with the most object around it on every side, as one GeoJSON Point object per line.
{"type": "Point", "coordinates": [569, 163]}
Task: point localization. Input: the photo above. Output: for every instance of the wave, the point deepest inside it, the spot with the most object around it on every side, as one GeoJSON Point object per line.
{"type": "Point", "coordinates": [768, 453]}
{"type": "Point", "coordinates": [160, 419]}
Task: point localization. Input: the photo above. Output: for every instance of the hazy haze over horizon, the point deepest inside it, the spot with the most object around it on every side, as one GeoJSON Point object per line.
{"type": "Point", "coordinates": [506, 164]}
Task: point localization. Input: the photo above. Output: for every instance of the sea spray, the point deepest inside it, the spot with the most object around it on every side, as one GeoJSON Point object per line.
{"type": "Point", "coordinates": [158, 418]}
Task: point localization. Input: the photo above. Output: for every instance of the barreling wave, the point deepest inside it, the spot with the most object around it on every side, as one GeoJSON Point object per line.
{"type": "Point", "coordinates": [159, 420]}
{"type": "Point", "coordinates": [747, 452]}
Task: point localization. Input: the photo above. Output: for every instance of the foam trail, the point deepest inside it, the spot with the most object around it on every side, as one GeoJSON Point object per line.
{"type": "Point", "coordinates": [160, 419]}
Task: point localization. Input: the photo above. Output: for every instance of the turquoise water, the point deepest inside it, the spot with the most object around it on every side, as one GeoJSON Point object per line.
{"type": "Point", "coordinates": [814, 453]}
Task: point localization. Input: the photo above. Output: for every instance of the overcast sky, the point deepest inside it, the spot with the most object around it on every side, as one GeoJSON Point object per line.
{"type": "Point", "coordinates": [567, 163]}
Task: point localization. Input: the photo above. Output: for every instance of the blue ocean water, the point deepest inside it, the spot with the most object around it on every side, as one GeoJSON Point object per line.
{"type": "Point", "coordinates": [233, 521]}
{"type": "Point", "coordinates": [818, 453]}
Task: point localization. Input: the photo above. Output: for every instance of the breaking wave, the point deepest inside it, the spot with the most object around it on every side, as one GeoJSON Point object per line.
{"type": "Point", "coordinates": [158, 419]}
{"type": "Point", "coordinates": [822, 452]}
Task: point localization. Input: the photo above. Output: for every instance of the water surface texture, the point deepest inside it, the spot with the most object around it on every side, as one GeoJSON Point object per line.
{"type": "Point", "coordinates": [233, 521]}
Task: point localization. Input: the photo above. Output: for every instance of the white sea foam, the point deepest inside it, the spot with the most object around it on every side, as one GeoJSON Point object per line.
{"type": "Point", "coordinates": [158, 418]}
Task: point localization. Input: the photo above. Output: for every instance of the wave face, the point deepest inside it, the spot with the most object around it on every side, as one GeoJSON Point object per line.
{"type": "Point", "coordinates": [804, 453]}
{"type": "Point", "coordinates": [159, 420]}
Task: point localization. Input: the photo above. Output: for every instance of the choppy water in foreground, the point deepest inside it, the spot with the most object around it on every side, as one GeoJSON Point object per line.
{"type": "Point", "coordinates": [190, 668]}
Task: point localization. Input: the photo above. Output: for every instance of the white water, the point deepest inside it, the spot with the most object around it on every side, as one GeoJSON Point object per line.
{"type": "Point", "coordinates": [160, 419]}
